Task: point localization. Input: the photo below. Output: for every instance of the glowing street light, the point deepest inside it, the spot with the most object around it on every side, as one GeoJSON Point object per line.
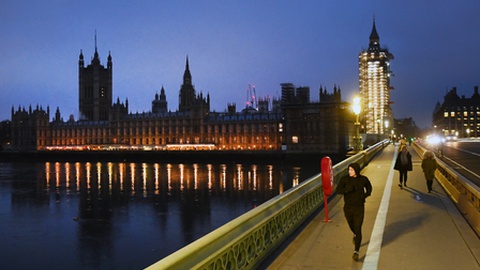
{"type": "Point", "coordinates": [386, 128]}
{"type": "Point", "coordinates": [356, 109]}
{"type": "Point", "coordinates": [356, 105]}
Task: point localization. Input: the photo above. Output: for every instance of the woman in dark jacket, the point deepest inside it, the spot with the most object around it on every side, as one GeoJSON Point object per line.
{"type": "Point", "coordinates": [355, 188]}
{"type": "Point", "coordinates": [429, 165]}
{"type": "Point", "coordinates": [403, 164]}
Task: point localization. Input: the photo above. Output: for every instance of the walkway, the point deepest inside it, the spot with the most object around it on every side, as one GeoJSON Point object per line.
{"type": "Point", "coordinates": [403, 229]}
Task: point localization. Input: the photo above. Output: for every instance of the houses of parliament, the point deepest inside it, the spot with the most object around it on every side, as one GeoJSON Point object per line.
{"type": "Point", "coordinates": [292, 123]}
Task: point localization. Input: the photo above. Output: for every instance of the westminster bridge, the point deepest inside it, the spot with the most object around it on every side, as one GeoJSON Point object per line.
{"type": "Point", "coordinates": [404, 228]}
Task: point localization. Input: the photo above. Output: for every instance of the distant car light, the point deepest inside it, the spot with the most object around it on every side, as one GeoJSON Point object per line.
{"type": "Point", "coordinates": [451, 138]}
{"type": "Point", "coordinates": [435, 139]}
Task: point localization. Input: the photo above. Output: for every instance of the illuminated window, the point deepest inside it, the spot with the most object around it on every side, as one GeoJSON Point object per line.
{"type": "Point", "coordinates": [294, 139]}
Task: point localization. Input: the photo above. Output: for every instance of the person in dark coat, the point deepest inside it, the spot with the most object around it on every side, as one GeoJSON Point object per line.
{"type": "Point", "coordinates": [429, 165]}
{"type": "Point", "coordinates": [355, 188]}
{"type": "Point", "coordinates": [403, 164]}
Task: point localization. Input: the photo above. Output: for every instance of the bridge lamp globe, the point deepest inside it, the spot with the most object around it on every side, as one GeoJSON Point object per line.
{"type": "Point", "coordinates": [356, 109]}
{"type": "Point", "coordinates": [356, 105]}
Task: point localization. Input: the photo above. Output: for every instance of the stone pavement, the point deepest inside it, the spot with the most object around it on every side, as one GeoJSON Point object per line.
{"type": "Point", "coordinates": [405, 228]}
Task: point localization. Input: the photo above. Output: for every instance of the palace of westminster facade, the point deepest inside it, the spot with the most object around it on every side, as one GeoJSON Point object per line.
{"type": "Point", "coordinates": [292, 123]}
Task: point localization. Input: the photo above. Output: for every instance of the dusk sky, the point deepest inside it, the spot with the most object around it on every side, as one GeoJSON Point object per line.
{"type": "Point", "coordinates": [231, 44]}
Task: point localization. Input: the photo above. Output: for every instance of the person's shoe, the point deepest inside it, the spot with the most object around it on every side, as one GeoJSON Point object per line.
{"type": "Point", "coordinates": [405, 184]}
{"type": "Point", "coordinates": [400, 185]}
{"type": "Point", "coordinates": [355, 256]}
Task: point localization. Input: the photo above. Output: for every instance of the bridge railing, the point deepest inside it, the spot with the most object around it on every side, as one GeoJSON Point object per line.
{"type": "Point", "coordinates": [464, 193]}
{"type": "Point", "coordinates": [245, 242]}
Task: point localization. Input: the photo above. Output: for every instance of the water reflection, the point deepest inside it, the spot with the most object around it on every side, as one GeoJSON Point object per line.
{"type": "Point", "coordinates": [108, 215]}
{"type": "Point", "coordinates": [132, 179]}
{"type": "Point", "coordinates": [104, 187]}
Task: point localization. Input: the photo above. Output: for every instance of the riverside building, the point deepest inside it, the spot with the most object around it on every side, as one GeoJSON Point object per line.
{"type": "Point", "coordinates": [292, 124]}
{"type": "Point", "coordinates": [458, 116]}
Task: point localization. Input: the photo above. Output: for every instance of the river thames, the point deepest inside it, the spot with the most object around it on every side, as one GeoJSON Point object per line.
{"type": "Point", "coordinates": [121, 215]}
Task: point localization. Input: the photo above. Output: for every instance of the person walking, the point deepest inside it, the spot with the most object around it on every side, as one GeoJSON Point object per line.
{"type": "Point", "coordinates": [403, 164]}
{"type": "Point", "coordinates": [355, 188]}
{"type": "Point", "coordinates": [429, 165]}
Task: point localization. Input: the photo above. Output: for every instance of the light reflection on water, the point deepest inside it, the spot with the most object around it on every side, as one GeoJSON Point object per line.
{"type": "Point", "coordinates": [124, 215]}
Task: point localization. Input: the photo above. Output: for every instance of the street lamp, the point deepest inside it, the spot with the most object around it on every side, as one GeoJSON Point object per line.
{"type": "Point", "coordinates": [386, 128]}
{"type": "Point", "coordinates": [356, 109]}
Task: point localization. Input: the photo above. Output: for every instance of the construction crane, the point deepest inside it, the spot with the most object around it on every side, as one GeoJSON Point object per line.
{"type": "Point", "coordinates": [251, 102]}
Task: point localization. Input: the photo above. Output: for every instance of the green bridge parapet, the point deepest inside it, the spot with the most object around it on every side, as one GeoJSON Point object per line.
{"type": "Point", "coordinates": [247, 241]}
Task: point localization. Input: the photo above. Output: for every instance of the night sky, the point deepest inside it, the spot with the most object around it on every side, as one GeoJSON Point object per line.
{"type": "Point", "coordinates": [231, 44]}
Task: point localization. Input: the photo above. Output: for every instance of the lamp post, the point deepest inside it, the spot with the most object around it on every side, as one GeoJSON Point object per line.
{"type": "Point", "coordinates": [386, 128]}
{"type": "Point", "coordinates": [356, 109]}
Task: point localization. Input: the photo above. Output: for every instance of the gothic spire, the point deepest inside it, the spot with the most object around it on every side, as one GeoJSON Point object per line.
{"type": "Point", "coordinates": [187, 76]}
{"type": "Point", "coordinates": [95, 56]}
{"type": "Point", "coordinates": [80, 59]}
{"type": "Point", "coordinates": [109, 60]}
{"type": "Point", "coordinates": [374, 38]}
{"type": "Point", "coordinates": [95, 41]}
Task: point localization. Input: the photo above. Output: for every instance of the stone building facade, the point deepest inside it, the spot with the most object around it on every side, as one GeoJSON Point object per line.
{"type": "Point", "coordinates": [458, 116]}
{"type": "Point", "coordinates": [293, 123]}
{"type": "Point", "coordinates": [326, 125]}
